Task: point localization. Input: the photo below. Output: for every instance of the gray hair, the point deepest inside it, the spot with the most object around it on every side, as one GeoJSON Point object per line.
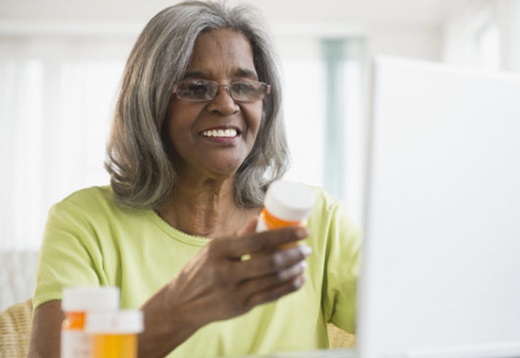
{"type": "Point", "coordinates": [142, 174]}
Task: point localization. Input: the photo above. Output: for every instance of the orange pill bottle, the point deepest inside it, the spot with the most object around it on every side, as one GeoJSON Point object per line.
{"type": "Point", "coordinates": [286, 203]}
{"type": "Point", "coordinates": [114, 334]}
{"type": "Point", "coordinates": [77, 303]}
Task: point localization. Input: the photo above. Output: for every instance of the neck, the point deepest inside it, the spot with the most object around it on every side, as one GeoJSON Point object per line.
{"type": "Point", "coordinates": [204, 209]}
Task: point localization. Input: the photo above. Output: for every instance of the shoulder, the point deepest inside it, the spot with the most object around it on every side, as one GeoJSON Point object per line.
{"type": "Point", "coordinates": [326, 205]}
{"type": "Point", "coordinates": [329, 214]}
{"type": "Point", "coordinates": [96, 201]}
{"type": "Point", "coordinates": [324, 200]}
{"type": "Point", "coordinates": [96, 195]}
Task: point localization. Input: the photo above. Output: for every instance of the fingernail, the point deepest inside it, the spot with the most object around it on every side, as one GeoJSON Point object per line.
{"type": "Point", "coordinates": [306, 250]}
{"type": "Point", "coordinates": [302, 233]}
{"type": "Point", "coordinates": [304, 264]}
{"type": "Point", "coordinates": [299, 282]}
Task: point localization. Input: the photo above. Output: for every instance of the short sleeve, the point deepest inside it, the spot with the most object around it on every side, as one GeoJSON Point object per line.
{"type": "Point", "coordinates": [342, 269]}
{"type": "Point", "coordinates": [69, 256]}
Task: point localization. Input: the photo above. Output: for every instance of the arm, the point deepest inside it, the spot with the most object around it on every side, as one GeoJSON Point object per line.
{"type": "Point", "coordinates": [46, 328]}
{"type": "Point", "coordinates": [344, 241]}
{"type": "Point", "coordinates": [217, 285]}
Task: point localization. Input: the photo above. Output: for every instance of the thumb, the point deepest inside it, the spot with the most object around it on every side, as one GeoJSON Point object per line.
{"type": "Point", "coordinates": [249, 228]}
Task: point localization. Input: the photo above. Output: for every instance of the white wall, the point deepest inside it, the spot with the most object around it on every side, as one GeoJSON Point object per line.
{"type": "Point", "coordinates": [508, 12]}
{"type": "Point", "coordinates": [400, 27]}
{"type": "Point", "coordinates": [461, 31]}
{"type": "Point", "coordinates": [422, 42]}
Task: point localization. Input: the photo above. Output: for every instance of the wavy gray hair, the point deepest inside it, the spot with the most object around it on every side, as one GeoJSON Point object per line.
{"type": "Point", "coordinates": [142, 174]}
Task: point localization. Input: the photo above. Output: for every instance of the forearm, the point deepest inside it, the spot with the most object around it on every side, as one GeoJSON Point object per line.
{"type": "Point", "coordinates": [46, 331]}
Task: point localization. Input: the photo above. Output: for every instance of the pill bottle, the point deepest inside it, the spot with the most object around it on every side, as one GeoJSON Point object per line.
{"type": "Point", "coordinates": [286, 204]}
{"type": "Point", "coordinates": [77, 303]}
{"type": "Point", "coordinates": [114, 334]}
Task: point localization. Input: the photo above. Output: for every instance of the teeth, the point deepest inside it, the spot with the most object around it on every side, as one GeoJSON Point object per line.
{"type": "Point", "coordinates": [220, 133]}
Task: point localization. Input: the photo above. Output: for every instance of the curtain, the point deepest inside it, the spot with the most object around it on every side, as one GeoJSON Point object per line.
{"type": "Point", "coordinates": [56, 102]}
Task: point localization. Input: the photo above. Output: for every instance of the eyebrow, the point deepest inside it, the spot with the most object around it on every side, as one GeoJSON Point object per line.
{"type": "Point", "coordinates": [240, 72]}
{"type": "Point", "coordinates": [244, 72]}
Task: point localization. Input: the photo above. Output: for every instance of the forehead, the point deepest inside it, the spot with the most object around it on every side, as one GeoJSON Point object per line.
{"type": "Point", "coordinates": [222, 52]}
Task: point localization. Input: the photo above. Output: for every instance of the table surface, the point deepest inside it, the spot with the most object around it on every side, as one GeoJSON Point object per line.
{"type": "Point", "coordinates": [324, 353]}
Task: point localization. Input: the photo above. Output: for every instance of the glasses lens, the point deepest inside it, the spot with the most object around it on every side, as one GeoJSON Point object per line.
{"type": "Point", "coordinates": [247, 91]}
{"type": "Point", "coordinates": [204, 90]}
{"type": "Point", "coordinates": [196, 90]}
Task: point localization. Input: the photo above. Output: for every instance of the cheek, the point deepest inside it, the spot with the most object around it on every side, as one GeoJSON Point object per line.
{"type": "Point", "coordinates": [254, 115]}
{"type": "Point", "coordinates": [180, 122]}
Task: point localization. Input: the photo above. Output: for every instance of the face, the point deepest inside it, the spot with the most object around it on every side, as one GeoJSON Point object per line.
{"type": "Point", "coordinates": [213, 138]}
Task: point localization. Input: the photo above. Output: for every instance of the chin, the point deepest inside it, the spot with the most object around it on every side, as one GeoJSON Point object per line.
{"type": "Point", "coordinates": [227, 170]}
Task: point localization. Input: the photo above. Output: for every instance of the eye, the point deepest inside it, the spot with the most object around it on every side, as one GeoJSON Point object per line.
{"type": "Point", "coordinates": [244, 88]}
{"type": "Point", "coordinates": [195, 88]}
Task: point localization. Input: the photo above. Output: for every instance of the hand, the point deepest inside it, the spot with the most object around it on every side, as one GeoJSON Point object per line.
{"type": "Point", "coordinates": [218, 283]}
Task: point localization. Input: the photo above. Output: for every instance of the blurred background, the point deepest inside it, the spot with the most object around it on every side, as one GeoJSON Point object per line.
{"type": "Point", "coordinates": [61, 63]}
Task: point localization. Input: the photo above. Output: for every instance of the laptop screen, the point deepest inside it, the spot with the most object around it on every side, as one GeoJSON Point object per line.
{"type": "Point", "coordinates": [441, 262]}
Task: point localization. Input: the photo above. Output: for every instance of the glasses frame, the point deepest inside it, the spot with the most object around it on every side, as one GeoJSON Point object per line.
{"type": "Point", "coordinates": [267, 90]}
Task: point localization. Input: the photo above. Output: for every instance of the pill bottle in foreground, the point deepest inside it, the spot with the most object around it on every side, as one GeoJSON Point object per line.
{"type": "Point", "coordinates": [114, 334]}
{"type": "Point", "coordinates": [77, 303]}
{"type": "Point", "coordinates": [286, 204]}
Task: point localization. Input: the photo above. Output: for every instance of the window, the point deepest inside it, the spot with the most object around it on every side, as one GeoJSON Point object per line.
{"type": "Point", "coordinates": [487, 44]}
{"type": "Point", "coordinates": [56, 100]}
{"type": "Point", "coordinates": [472, 37]}
{"type": "Point", "coordinates": [324, 114]}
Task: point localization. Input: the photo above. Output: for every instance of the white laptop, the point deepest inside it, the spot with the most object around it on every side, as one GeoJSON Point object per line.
{"type": "Point", "coordinates": [441, 261]}
{"type": "Point", "coordinates": [441, 269]}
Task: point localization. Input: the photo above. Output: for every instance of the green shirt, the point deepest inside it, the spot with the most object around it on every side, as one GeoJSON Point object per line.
{"type": "Point", "coordinates": [91, 241]}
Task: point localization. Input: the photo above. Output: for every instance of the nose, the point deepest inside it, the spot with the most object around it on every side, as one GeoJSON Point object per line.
{"type": "Point", "coordinates": [223, 102]}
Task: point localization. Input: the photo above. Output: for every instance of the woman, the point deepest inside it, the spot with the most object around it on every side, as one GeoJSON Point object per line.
{"type": "Point", "coordinates": [196, 140]}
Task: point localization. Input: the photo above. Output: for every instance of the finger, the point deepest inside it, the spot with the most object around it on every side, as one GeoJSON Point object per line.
{"type": "Point", "coordinates": [274, 293]}
{"type": "Point", "coordinates": [278, 278]}
{"type": "Point", "coordinates": [266, 241]}
{"type": "Point", "coordinates": [273, 262]}
{"type": "Point", "coordinates": [273, 239]}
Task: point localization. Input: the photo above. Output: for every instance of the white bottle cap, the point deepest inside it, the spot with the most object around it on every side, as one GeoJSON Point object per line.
{"type": "Point", "coordinates": [105, 298]}
{"type": "Point", "coordinates": [288, 200]}
{"type": "Point", "coordinates": [119, 322]}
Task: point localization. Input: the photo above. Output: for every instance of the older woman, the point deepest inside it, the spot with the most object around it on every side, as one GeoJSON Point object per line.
{"type": "Point", "coordinates": [197, 138]}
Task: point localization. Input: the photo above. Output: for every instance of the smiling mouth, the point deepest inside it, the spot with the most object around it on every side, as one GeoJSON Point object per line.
{"type": "Point", "coordinates": [220, 133]}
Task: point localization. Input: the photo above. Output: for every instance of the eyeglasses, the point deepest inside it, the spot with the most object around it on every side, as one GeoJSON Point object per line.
{"type": "Point", "coordinates": [197, 90]}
